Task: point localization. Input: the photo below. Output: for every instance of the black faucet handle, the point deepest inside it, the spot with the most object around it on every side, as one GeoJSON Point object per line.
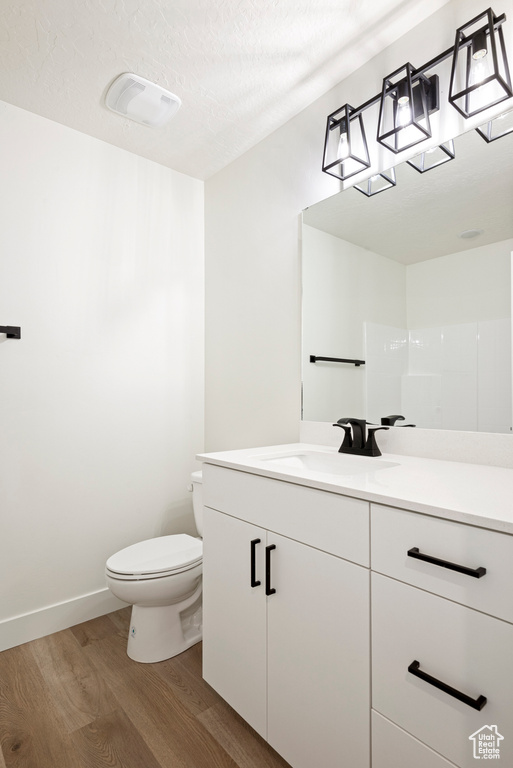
{"type": "Point", "coordinates": [359, 430]}
{"type": "Point", "coordinates": [347, 442]}
{"type": "Point", "coordinates": [371, 446]}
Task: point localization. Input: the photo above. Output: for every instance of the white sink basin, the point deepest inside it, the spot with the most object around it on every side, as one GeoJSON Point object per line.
{"type": "Point", "coordinates": [328, 463]}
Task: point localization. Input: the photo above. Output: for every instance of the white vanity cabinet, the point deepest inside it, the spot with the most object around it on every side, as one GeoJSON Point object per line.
{"type": "Point", "coordinates": [294, 662]}
{"type": "Point", "coordinates": [382, 627]}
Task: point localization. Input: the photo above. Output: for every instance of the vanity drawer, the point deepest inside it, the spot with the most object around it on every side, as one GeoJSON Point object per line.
{"type": "Point", "coordinates": [394, 748]}
{"type": "Point", "coordinates": [335, 524]}
{"type": "Point", "coordinates": [462, 648]}
{"type": "Point", "coordinates": [394, 532]}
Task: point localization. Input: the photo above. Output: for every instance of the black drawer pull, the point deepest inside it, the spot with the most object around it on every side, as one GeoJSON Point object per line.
{"type": "Point", "coordinates": [254, 580]}
{"type": "Point", "coordinates": [268, 589]}
{"type": "Point", "coordinates": [475, 572]}
{"type": "Point", "coordinates": [474, 703]}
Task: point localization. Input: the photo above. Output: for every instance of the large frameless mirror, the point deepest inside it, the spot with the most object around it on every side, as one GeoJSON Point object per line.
{"type": "Point", "coordinates": [414, 286]}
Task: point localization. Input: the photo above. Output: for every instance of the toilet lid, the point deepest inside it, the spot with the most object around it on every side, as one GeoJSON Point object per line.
{"type": "Point", "coordinates": [157, 556]}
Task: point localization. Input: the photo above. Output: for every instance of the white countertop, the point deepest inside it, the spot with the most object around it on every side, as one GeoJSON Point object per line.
{"type": "Point", "coordinates": [468, 493]}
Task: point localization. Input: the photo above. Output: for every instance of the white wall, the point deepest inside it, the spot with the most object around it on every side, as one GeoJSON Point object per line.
{"type": "Point", "coordinates": [461, 287]}
{"type": "Point", "coordinates": [252, 249]}
{"type": "Point", "coordinates": [101, 401]}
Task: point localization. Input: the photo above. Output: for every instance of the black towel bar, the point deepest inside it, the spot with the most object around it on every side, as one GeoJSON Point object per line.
{"type": "Point", "coordinates": [12, 331]}
{"type": "Point", "coordinates": [315, 358]}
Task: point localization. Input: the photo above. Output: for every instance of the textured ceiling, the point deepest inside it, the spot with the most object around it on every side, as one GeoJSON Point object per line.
{"type": "Point", "coordinates": [241, 67]}
{"type": "Point", "coordinates": [422, 217]}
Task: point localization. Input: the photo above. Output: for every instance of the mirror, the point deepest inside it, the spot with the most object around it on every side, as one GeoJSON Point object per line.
{"type": "Point", "coordinates": [416, 282]}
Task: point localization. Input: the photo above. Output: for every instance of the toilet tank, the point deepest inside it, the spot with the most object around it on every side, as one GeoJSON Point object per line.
{"type": "Point", "coordinates": [197, 500]}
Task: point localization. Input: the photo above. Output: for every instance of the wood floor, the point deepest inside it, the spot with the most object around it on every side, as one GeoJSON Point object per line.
{"type": "Point", "coordinates": [75, 700]}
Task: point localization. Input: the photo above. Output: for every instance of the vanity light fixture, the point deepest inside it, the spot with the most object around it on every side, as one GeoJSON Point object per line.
{"type": "Point", "coordinates": [479, 79]}
{"type": "Point", "coordinates": [480, 73]}
{"type": "Point", "coordinates": [345, 148]}
{"type": "Point", "coordinates": [405, 108]}
{"type": "Point", "coordinates": [377, 183]}
{"type": "Point", "coordinates": [433, 157]}
{"type": "Point", "coordinates": [496, 128]}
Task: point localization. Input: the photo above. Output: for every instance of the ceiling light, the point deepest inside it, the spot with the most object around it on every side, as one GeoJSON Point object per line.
{"type": "Point", "coordinates": [479, 79]}
{"type": "Point", "coordinates": [433, 157]}
{"type": "Point", "coordinates": [345, 145]}
{"type": "Point", "coordinates": [140, 100]}
{"type": "Point", "coordinates": [469, 234]}
{"type": "Point", "coordinates": [480, 74]}
{"type": "Point", "coordinates": [405, 108]}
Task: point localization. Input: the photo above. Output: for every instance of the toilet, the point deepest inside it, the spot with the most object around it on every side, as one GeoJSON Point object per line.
{"type": "Point", "coordinates": [161, 579]}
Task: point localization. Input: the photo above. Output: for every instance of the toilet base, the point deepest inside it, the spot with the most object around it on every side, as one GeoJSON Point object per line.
{"type": "Point", "coordinates": [159, 633]}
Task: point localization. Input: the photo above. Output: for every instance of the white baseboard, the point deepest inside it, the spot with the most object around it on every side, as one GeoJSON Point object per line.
{"type": "Point", "coordinates": [53, 618]}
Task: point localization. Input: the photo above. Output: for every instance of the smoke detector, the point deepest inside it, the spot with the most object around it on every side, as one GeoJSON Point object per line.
{"type": "Point", "coordinates": [138, 99]}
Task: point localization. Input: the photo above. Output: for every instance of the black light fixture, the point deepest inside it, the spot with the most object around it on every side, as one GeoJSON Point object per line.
{"type": "Point", "coordinates": [433, 157]}
{"type": "Point", "coordinates": [480, 74]}
{"type": "Point", "coordinates": [407, 100]}
{"type": "Point", "coordinates": [377, 183]}
{"type": "Point", "coordinates": [496, 128]}
{"type": "Point", "coordinates": [480, 79]}
{"type": "Point", "coordinates": [345, 148]}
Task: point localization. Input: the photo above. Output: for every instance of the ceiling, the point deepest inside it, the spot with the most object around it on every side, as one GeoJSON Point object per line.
{"type": "Point", "coordinates": [241, 67]}
{"type": "Point", "coordinates": [424, 215]}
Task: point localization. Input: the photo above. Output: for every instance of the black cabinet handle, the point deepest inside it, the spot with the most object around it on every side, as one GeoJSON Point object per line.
{"type": "Point", "coordinates": [475, 572]}
{"type": "Point", "coordinates": [268, 589]}
{"type": "Point", "coordinates": [474, 703]}
{"type": "Point", "coordinates": [254, 581]}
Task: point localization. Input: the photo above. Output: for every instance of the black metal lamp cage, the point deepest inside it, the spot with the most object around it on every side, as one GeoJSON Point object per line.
{"type": "Point", "coordinates": [345, 148]}
{"type": "Point", "coordinates": [405, 108]}
{"type": "Point", "coordinates": [480, 75]}
{"type": "Point", "coordinates": [433, 157]}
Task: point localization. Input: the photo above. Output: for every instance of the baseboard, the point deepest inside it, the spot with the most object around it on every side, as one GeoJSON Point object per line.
{"type": "Point", "coordinates": [53, 618]}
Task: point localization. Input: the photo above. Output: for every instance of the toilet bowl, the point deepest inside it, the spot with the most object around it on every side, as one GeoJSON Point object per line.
{"type": "Point", "coordinates": [161, 579]}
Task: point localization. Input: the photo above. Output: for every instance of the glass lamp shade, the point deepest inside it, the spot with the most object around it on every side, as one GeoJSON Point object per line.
{"type": "Point", "coordinates": [496, 128]}
{"type": "Point", "coordinates": [377, 183]}
{"type": "Point", "coordinates": [480, 74]}
{"type": "Point", "coordinates": [432, 158]}
{"type": "Point", "coordinates": [345, 146]}
{"type": "Point", "coordinates": [404, 111]}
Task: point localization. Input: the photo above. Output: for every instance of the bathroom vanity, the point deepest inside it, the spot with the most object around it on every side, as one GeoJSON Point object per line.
{"type": "Point", "coordinates": [359, 611]}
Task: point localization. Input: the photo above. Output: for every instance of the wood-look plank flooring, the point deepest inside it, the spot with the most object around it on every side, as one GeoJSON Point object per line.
{"type": "Point", "coordinates": [75, 700]}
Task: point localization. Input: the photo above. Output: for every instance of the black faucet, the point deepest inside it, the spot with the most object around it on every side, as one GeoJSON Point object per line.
{"type": "Point", "coordinates": [356, 438]}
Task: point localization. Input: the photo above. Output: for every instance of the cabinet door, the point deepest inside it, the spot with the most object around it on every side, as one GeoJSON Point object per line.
{"type": "Point", "coordinates": [318, 657]}
{"type": "Point", "coordinates": [234, 615]}
{"type": "Point", "coordinates": [465, 651]}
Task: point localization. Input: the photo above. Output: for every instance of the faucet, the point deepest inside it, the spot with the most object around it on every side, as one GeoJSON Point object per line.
{"type": "Point", "coordinates": [356, 438]}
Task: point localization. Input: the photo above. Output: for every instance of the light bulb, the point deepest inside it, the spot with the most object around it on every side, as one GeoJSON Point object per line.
{"type": "Point", "coordinates": [478, 72]}
{"type": "Point", "coordinates": [479, 52]}
{"type": "Point", "coordinates": [403, 116]}
{"type": "Point", "coordinates": [404, 113]}
{"type": "Point", "coordinates": [343, 147]}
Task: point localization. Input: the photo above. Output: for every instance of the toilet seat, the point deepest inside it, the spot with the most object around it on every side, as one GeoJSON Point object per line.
{"type": "Point", "coordinates": [156, 558]}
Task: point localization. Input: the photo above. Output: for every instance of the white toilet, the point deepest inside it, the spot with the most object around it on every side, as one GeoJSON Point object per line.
{"type": "Point", "coordinates": [161, 578]}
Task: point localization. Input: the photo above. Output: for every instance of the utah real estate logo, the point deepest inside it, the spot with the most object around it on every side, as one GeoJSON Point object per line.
{"type": "Point", "coordinates": [487, 743]}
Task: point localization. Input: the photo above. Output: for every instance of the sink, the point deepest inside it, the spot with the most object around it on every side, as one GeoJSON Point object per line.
{"type": "Point", "coordinates": [327, 463]}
